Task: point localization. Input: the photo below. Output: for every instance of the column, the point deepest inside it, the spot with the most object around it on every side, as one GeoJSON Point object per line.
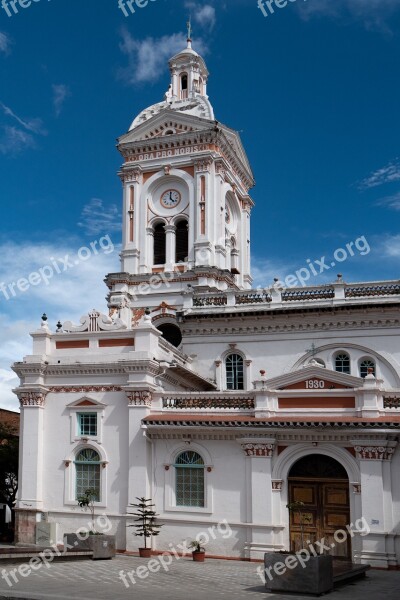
{"type": "Point", "coordinates": [170, 247]}
{"type": "Point", "coordinates": [30, 484]}
{"type": "Point", "coordinates": [259, 453]}
{"type": "Point", "coordinates": [139, 454]}
{"type": "Point", "coordinates": [376, 547]}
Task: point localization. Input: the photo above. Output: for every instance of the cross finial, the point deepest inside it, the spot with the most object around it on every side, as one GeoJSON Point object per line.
{"type": "Point", "coordinates": [313, 349]}
{"type": "Point", "coordinates": [189, 29]}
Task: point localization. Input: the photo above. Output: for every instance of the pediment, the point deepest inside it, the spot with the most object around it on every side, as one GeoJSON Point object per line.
{"type": "Point", "coordinates": [314, 378]}
{"type": "Point", "coordinates": [86, 402]}
{"type": "Point", "coordinates": [235, 142]}
{"type": "Point", "coordinates": [155, 127]}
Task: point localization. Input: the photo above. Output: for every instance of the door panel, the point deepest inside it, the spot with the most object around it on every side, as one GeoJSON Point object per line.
{"type": "Point", "coordinates": [326, 510]}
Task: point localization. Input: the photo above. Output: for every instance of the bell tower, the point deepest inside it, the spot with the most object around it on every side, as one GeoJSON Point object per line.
{"type": "Point", "coordinates": [186, 204]}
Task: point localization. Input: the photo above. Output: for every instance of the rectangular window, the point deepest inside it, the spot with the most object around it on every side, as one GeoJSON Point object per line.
{"type": "Point", "coordinates": [87, 477]}
{"type": "Point", "coordinates": [87, 424]}
{"type": "Point", "coordinates": [189, 486]}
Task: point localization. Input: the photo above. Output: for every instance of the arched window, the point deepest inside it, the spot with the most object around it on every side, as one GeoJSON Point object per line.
{"type": "Point", "coordinates": [342, 363]}
{"type": "Point", "coordinates": [367, 367]}
{"type": "Point", "coordinates": [184, 86]}
{"type": "Point", "coordinates": [234, 372]}
{"type": "Point", "coordinates": [181, 242]}
{"type": "Point", "coordinates": [87, 469]}
{"type": "Point", "coordinates": [189, 479]}
{"type": "Point", "coordinates": [159, 244]}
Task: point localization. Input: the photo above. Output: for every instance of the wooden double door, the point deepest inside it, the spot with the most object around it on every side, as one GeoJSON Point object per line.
{"type": "Point", "coordinates": [325, 512]}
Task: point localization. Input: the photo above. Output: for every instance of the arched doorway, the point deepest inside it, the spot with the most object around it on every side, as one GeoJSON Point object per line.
{"type": "Point", "coordinates": [322, 485]}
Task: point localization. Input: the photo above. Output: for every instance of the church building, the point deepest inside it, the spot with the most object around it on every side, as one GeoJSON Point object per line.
{"type": "Point", "coordinates": [219, 401]}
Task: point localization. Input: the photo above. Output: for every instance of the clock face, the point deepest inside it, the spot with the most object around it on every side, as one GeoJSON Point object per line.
{"type": "Point", "coordinates": [170, 198]}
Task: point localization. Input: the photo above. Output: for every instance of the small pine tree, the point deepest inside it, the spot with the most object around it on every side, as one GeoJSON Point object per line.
{"type": "Point", "coordinates": [87, 500]}
{"type": "Point", "coordinates": [146, 519]}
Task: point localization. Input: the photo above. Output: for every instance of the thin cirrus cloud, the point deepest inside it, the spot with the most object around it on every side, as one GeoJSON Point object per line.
{"type": "Point", "coordinates": [21, 134]}
{"type": "Point", "coordinates": [391, 202]}
{"type": "Point", "coordinates": [147, 58]}
{"type": "Point", "coordinates": [96, 218]}
{"type": "Point", "coordinates": [5, 43]}
{"type": "Point", "coordinates": [60, 93]}
{"type": "Point", "coordinates": [374, 14]}
{"type": "Point", "coordinates": [390, 173]}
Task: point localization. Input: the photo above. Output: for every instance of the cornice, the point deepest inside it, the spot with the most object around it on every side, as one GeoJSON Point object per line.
{"type": "Point", "coordinates": [135, 366]}
{"type": "Point", "coordinates": [272, 323]}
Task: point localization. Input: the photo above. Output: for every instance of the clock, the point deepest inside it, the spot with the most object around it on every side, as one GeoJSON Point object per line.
{"type": "Point", "coordinates": [170, 199]}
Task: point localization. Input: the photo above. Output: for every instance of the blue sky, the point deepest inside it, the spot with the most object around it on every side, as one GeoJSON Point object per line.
{"type": "Point", "coordinates": [314, 90]}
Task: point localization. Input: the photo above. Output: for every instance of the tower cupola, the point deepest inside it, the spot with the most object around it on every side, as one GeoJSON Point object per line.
{"type": "Point", "coordinates": [189, 73]}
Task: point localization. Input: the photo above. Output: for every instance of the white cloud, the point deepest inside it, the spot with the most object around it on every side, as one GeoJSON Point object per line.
{"type": "Point", "coordinates": [388, 174]}
{"type": "Point", "coordinates": [372, 13]}
{"type": "Point", "coordinates": [67, 296]}
{"type": "Point", "coordinates": [147, 59]}
{"type": "Point", "coordinates": [5, 43]}
{"type": "Point", "coordinates": [392, 202]}
{"type": "Point", "coordinates": [14, 140]}
{"type": "Point", "coordinates": [60, 94]}
{"type": "Point", "coordinates": [204, 14]}
{"type": "Point", "coordinates": [97, 218]}
{"type": "Point", "coordinates": [391, 246]}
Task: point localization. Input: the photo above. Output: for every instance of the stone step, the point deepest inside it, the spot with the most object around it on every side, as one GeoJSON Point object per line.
{"type": "Point", "coordinates": [345, 571]}
{"type": "Point", "coordinates": [23, 554]}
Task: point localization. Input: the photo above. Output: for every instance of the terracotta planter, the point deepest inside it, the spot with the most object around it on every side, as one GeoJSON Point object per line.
{"type": "Point", "coordinates": [198, 556]}
{"type": "Point", "coordinates": [145, 552]}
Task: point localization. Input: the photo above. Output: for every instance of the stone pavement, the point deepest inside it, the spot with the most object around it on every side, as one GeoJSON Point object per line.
{"type": "Point", "coordinates": [181, 580]}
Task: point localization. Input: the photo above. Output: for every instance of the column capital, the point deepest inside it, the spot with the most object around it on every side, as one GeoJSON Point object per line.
{"type": "Point", "coordinates": [258, 448]}
{"type": "Point", "coordinates": [374, 452]}
{"type": "Point", "coordinates": [34, 397]}
{"type": "Point", "coordinates": [139, 397]}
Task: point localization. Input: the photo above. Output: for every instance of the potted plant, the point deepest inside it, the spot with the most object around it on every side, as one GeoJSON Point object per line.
{"type": "Point", "coordinates": [198, 551]}
{"type": "Point", "coordinates": [298, 572]}
{"type": "Point", "coordinates": [102, 545]}
{"type": "Point", "coordinates": [146, 523]}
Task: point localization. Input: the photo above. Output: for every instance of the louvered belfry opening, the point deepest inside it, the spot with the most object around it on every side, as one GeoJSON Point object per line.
{"type": "Point", "coordinates": [159, 244]}
{"type": "Point", "coordinates": [182, 241]}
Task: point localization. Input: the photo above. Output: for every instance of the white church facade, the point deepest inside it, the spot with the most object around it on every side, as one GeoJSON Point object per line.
{"type": "Point", "coordinates": [216, 400]}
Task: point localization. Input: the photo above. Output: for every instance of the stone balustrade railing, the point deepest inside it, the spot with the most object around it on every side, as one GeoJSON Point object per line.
{"type": "Point", "coordinates": [338, 291]}
{"type": "Point", "coordinates": [208, 401]}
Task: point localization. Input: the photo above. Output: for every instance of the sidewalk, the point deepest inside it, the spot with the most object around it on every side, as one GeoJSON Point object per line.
{"type": "Point", "coordinates": [181, 580]}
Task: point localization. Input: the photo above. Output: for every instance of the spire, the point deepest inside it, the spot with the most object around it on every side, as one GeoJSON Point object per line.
{"type": "Point", "coordinates": [189, 32]}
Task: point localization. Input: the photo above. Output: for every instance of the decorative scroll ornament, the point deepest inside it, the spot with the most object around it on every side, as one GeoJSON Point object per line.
{"type": "Point", "coordinates": [258, 450]}
{"type": "Point", "coordinates": [374, 452]}
{"type": "Point", "coordinates": [139, 398]}
{"type": "Point", "coordinates": [94, 321]}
